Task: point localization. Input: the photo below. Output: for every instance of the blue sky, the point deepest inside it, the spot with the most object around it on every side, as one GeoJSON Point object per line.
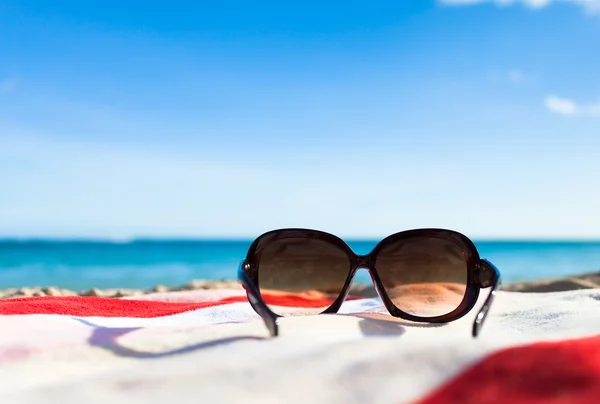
{"type": "Point", "coordinates": [230, 118]}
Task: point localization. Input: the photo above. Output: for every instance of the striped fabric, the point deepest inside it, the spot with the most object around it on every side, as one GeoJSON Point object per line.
{"type": "Point", "coordinates": [209, 346]}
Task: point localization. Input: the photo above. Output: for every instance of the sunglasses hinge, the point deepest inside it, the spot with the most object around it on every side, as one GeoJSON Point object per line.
{"type": "Point", "coordinates": [486, 274]}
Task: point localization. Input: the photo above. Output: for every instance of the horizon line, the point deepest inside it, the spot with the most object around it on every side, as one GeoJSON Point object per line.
{"type": "Point", "coordinates": [175, 239]}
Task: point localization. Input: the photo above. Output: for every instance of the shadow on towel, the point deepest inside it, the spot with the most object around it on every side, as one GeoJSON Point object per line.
{"type": "Point", "coordinates": [107, 338]}
{"type": "Point", "coordinates": [375, 324]}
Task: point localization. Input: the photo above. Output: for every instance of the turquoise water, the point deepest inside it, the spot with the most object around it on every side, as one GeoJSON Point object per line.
{"type": "Point", "coordinates": [143, 264]}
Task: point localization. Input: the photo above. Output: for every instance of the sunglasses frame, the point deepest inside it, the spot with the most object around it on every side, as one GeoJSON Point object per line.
{"type": "Point", "coordinates": [481, 274]}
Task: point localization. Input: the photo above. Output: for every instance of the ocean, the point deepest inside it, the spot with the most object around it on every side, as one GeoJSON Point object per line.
{"type": "Point", "coordinates": [82, 265]}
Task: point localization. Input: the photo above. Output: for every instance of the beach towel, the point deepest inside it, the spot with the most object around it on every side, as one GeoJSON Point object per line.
{"type": "Point", "coordinates": [209, 346]}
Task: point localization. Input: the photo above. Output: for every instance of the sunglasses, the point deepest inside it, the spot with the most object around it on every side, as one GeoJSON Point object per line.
{"type": "Point", "coordinates": [423, 275]}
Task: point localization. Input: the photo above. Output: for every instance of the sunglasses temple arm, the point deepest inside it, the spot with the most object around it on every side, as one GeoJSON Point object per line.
{"type": "Point", "coordinates": [257, 302]}
{"type": "Point", "coordinates": [494, 282]}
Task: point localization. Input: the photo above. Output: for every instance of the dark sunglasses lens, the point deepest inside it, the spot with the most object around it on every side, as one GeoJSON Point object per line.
{"type": "Point", "coordinates": [425, 277]}
{"type": "Point", "coordinates": [301, 275]}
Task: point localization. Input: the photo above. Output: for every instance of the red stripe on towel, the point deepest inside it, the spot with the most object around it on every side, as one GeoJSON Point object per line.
{"type": "Point", "coordinates": [107, 307]}
{"type": "Point", "coordinates": [550, 373]}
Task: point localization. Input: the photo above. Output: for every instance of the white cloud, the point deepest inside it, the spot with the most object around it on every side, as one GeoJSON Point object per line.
{"type": "Point", "coordinates": [566, 106]}
{"type": "Point", "coordinates": [592, 6]}
{"type": "Point", "coordinates": [8, 85]}
{"type": "Point", "coordinates": [561, 106]}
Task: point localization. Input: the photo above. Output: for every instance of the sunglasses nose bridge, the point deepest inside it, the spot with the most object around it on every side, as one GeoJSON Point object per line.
{"type": "Point", "coordinates": [362, 261]}
{"type": "Point", "coordinates": [365, 261]}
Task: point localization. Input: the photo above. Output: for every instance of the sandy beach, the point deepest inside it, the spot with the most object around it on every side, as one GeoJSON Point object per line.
{"type": "Point", "coordinates": [586, 281]}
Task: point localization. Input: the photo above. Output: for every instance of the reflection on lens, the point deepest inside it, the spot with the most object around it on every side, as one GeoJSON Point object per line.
{"type": "Point", "coordinates": [299, 276]}
{"type": "Point", "coordinates": [424, 277]}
